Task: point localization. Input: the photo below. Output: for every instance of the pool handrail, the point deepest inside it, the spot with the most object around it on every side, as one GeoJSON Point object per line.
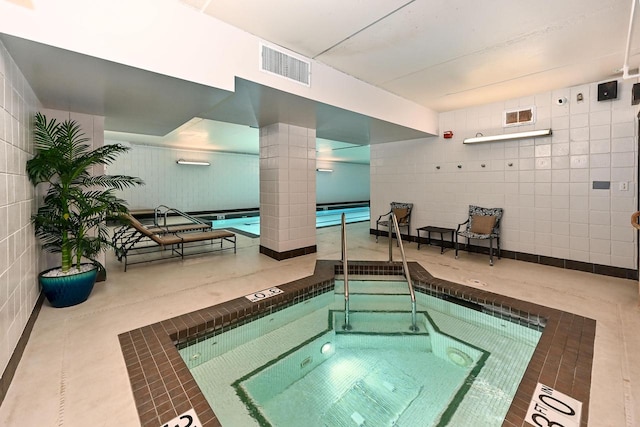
{"type": "Point", "coordinates": [394, 221]}
{"type": "Point", "coordinates": [345, 268]}
{"type": "Point", "coordinates": [178, 212]}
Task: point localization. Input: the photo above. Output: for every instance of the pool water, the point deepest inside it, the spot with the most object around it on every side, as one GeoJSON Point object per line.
{"type": "Point", "coordinates": [299, 367]}
{"type": "Point", "coordinates": [372, 378]}
{"type": "Point", "coordinates": [326, 218]}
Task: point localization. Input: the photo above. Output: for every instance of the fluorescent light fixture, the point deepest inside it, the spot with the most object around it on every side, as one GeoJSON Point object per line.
{"type": "Point", "coordinates": [192, 162]}
{"type": "Point", "coordinates": [324, 170]}
{"type": "Point", "coordinates": [508, 136]}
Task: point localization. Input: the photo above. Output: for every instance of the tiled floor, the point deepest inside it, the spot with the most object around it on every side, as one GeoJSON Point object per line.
{"type": "Point", "coordinates": [73, 371]}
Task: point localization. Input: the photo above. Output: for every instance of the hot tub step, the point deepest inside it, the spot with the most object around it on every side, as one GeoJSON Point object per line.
{"type": "Point", "coordinates": [378, 322]}
{"type": "Point", "coordinates": [373, 287]}
{"type": "Point", "coordinates": [368, 302]}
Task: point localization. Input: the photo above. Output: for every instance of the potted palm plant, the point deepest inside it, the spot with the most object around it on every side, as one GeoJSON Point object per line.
{"type": "Point", "coordinates": [77, 204]}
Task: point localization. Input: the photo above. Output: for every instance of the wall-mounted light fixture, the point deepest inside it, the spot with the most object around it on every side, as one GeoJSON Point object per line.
{"type": "Point", "coordinates": [192, 162]}
{"type": "Point", "coordinates": [508, 136]}
{"type": "Point", "coordinates": [324, 170]}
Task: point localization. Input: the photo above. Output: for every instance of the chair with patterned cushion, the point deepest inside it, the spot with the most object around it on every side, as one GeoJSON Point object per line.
{"type": "Point", "coordinates": [402, 212]}
{"type": "Point", "coordinates": [482, 224]}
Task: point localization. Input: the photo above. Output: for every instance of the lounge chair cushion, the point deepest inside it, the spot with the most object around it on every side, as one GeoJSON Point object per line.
{"type": "Point", "coordinates": [482, 224]}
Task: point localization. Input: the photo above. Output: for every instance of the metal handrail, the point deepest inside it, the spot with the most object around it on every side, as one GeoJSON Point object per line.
{"type": "Point", "coordinates": [394, 221]}
{"type": "Point", "coordinates": [345, 268]}
{"type": "Point", "coordinates": [390, 228]}
{"type": "Point", "coordinates": [176, 211]}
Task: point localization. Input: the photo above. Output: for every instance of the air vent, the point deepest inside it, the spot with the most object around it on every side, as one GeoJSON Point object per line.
{"type": "Point", "coordinates": [521, 116]}
{"type": "Point", "coordinates": [277, 62]}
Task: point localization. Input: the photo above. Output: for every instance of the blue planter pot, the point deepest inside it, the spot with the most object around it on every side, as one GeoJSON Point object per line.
{"type": "Point", "coordinates": [65, 291]}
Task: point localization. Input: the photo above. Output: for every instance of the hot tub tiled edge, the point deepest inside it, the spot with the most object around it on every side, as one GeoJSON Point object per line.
{"type": "Point", "coordinates": [163, 387]}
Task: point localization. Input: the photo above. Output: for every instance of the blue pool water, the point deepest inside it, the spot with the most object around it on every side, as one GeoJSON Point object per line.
{"type": "Point", "coordinates": [325, 218]}
{"type": "Point", "coordinates": [299, 367]}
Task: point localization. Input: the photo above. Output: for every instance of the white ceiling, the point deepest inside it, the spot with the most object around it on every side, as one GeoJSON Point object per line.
{"type": "Point", "coordinates": [447, 54]}
{"type": "Point", "coordinates": [443, 54]}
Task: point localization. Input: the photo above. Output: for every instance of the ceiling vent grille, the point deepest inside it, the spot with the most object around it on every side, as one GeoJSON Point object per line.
{"type": "Point", "coordinates": [277, 62]}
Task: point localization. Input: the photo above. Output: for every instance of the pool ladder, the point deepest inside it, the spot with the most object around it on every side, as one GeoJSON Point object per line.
{"type": "Point", "coordinates": [393, 221]}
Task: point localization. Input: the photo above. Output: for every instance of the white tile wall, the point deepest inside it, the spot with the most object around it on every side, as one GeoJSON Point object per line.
{"type": "Point", "coordinates": [287, 187]}
{"type": "Point", "coordinates": [331, 187]}
{"type": "Point", "coordinates": [18, 248]}
{"type": "Point", "coordinates": [545, 185]}
{"type": "Point", "coordinates": [231, 182]}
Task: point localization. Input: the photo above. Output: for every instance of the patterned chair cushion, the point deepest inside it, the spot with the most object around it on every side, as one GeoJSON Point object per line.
{"type": "Point", "coordinates": [484, 224]}
{"type": "Point", "coordinates": [477, 211]}
{"type": "Point", "coordinates": [402, 212]}
{"type": "Point", "coordinates": [472, 235]}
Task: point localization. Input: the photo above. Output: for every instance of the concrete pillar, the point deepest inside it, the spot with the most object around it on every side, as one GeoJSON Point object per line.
{"type": "Point", "coordinates": [287, 191]}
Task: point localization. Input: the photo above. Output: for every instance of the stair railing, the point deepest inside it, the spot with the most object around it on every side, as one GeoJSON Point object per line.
{"type": "Point", "coordinates": [167, 210]}
{"type": "Point", "coordinates": [345, 268]}
{"type": "Point", "coordinates": [390, 228]}
{"type": "Point", "coordinates": [394, 221]}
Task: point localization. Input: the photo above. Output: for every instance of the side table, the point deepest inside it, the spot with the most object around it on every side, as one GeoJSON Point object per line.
{"type": "Point", "coordinates": [441, 230]}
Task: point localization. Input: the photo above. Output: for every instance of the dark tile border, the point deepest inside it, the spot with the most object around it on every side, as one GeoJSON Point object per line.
{"type": "Point", "coordinates": [605, 270]}
{"type": "Point", "coordinates": [16, 356]}
{"type": "Point", "coordinates": [279, 256]}
{"type": "Point", "coordinates": [164, 388]}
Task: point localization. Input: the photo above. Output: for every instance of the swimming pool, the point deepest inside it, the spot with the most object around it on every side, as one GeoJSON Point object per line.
{"type": "Point", "coordinates": [300, 365]}
{"type": "Point", "coordinates": [163, 387]}
{"type": "Point", "coordinates": [250, 225]}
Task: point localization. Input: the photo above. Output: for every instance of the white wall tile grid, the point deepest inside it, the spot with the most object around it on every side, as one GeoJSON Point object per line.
{"type": "Point", "coordinates": [19, 260]}
{"type": "Point", "coordinates": [544, 184]}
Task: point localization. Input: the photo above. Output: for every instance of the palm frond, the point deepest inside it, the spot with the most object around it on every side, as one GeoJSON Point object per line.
{"type": "Point", "coordinates": [76, 204]}
{"type": "Point", "coordinates": [118, 182]}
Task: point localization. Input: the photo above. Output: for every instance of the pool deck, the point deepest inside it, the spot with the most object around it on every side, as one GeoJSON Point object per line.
{"type": "Point", "coordinates": [73, 372]}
